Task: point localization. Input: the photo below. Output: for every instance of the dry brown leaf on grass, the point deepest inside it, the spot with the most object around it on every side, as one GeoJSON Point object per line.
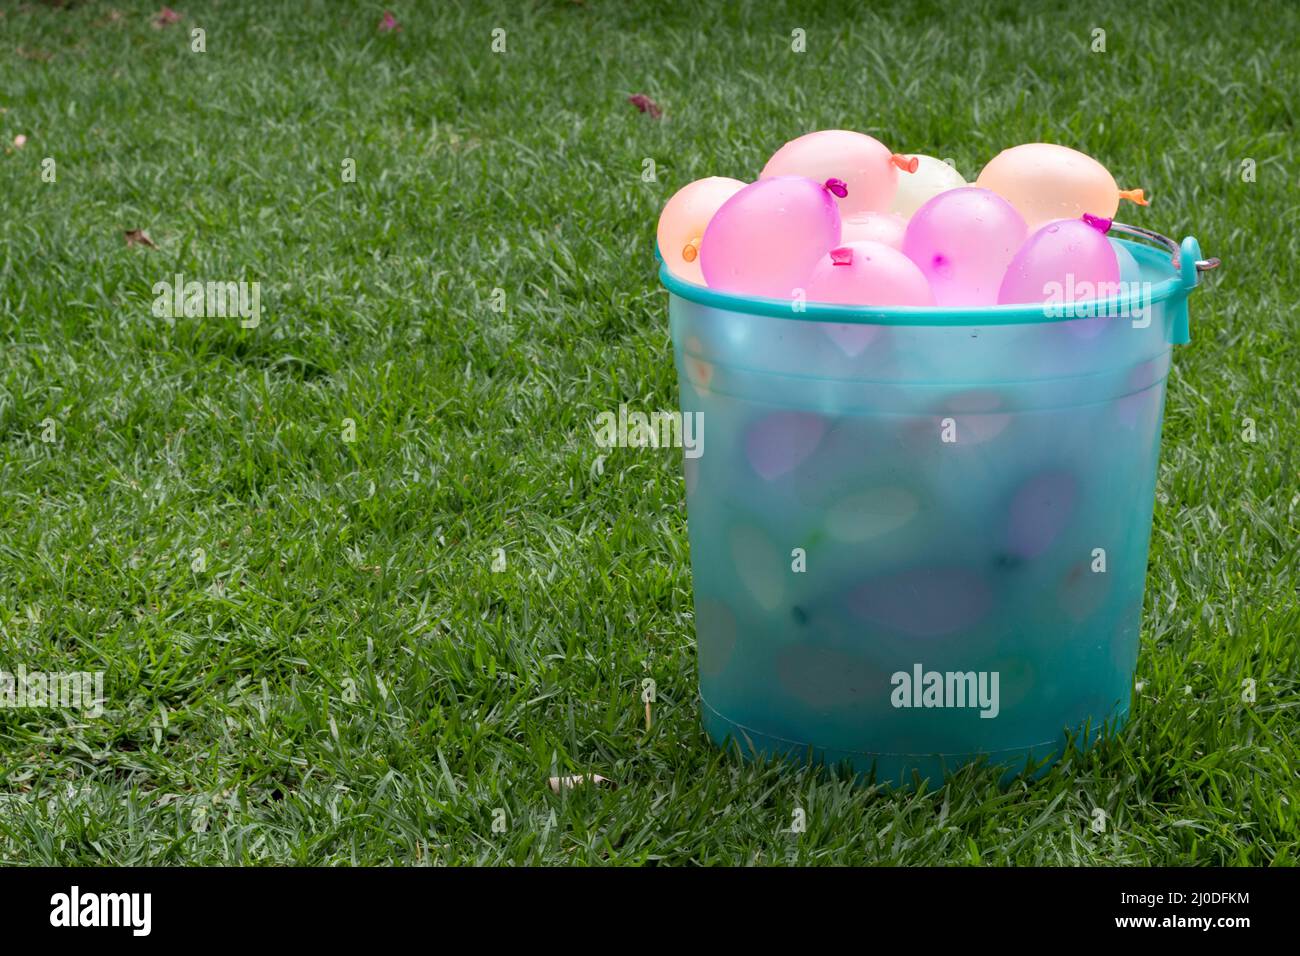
{"type": "Point", "coordinates": [138, 237]}
{"type": "Point", "coordinates": [646, 105]}
{"type": "Point", "coordinates": [568, 783]}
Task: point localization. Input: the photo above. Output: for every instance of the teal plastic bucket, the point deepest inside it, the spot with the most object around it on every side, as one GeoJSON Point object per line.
{"type": "Point", "coordinates": [919, 537]}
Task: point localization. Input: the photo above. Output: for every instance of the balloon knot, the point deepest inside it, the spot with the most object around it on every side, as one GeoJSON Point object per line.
{"type": "Point", "coordinates": [1134, 195]}
{"type": "Point", "coordinates": [1097, 222]}
{"type": "Point", "coordinates": [842, 256]}
{"type": "Point", "coordinates": [838, 186]}
{"type": "Point", "coordinates": [691, 250]}
{"type": "Point", "coordinates": [905, 163]}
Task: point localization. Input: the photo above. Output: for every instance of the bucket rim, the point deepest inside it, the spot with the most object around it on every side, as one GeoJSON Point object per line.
{"type": "Point", "coordinates": [1021, 314]}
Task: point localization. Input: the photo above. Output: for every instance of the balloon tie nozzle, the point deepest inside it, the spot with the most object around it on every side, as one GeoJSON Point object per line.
{"type": "Point", "coordinates": [1134, 195]}
{"type": "Point", "coordinates": [691, 250]}
{"type": "Point", "coordinates": [907, 164]}
{"type": "Point", "coordinates": [842, 256]}
{"type": "Point", "coordinates": [1097, 222]}
{"type": "Point", "coordinates": [837, 186]}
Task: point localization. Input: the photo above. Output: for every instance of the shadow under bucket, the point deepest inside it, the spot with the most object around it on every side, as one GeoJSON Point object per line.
{"type": "Point", "coordinates": [919, 536]}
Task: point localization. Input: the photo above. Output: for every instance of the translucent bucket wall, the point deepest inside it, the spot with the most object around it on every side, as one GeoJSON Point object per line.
{"type": "Point", "coordinates": [919, 538]}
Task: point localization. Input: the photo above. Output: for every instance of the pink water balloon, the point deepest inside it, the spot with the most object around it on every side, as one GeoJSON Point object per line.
{"type": "Point", "coordinates": [864, 163]}
{"type": "Point", "coordinates": [1045, 181]}
{"type": "Point", "coordinates": [767, 238]}
{"type": "Point", "coordinates": [865, 273]}
{"type": "Point", "coordinates": [885, 228]}
{"type": "Point", "coordinates": [962, 240]}
{"type": "Point", "coordinates": [868, 273]}
{"type": "Point", "coordinates": [684, 219]}
{"type": "Point", "coordinates": [1064, 262]}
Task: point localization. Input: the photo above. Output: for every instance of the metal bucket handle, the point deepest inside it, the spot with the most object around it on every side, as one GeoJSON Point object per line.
{"type": "Point", "coordinates": [1187, 262]}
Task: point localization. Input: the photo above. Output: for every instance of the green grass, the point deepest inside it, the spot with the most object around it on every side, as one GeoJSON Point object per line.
{"type": "Point", "coordinates": [347, 680]}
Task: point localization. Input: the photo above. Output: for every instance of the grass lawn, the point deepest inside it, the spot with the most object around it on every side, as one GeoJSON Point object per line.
{"type": "Point", "coordinates": [308, 656]}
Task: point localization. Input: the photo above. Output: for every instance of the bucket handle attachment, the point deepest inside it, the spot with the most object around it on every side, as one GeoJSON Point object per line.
{"type": "Point", "coordinates": [1186, 260]}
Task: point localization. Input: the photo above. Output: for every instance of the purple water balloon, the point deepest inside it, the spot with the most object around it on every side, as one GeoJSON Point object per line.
{"type": "Point", "coordinates": [1040, 511]}
{"type": "Point", "coordinates": [923, 602]}
{"type": "Point", "coordinates": [780, 442]}
{"type": "Point", "coordinates": [767, 238]}
{"type": "Point", "coordinates": [963, 240]}
{"type": "Point", "coordinates": [1140, 409]}
{"type": "Point", "coordinates": [1066, 261]}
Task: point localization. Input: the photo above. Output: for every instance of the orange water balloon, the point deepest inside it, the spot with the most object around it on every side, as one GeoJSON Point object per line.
{"type": "Point", "coordinates": [1044, 181]}
{"type": "Point", "coordinates": [682, 223]}
{"type": "Point", "coordinates": [863, 163]}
